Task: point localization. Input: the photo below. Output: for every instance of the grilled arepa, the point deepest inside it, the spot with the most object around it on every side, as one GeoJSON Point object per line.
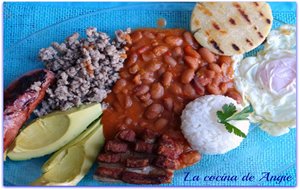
{"type": "Point", "coordinates": [229, 28]}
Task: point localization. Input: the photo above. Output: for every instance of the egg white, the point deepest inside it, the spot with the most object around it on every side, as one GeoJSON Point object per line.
{"type": "Point", "coordinates": [268, 82]}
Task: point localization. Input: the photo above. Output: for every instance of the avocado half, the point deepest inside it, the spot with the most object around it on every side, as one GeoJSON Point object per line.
{"type": "Point", "coordinates": [49, 133]}
{"type": "Point", "coordinates": [71, 163]}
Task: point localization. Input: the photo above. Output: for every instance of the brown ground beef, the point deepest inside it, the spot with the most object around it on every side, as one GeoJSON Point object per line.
{"type": "Point", "coordinates": [85, 69]}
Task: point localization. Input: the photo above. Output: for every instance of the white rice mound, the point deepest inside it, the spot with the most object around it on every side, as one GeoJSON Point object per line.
{"type": "Point", "coordinates": [201, 128]}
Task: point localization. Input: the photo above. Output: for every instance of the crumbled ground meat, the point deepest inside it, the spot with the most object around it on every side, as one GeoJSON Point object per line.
{"type": "Point", "coordinates": [85, 69]}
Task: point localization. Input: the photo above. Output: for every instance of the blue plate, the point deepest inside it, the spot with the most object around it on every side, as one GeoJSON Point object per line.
{"type": "Point", "coordinates": [258, 153]}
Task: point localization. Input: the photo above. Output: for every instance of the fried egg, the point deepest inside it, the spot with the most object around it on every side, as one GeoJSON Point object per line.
{"type": "Point", "coordinates": [268, 82]}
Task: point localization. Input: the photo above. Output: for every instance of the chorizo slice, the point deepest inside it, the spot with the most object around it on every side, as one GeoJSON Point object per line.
{"type": "Point", "coordinates": [20, 99]}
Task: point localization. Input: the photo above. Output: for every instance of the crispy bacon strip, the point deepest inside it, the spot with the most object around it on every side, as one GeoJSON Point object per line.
{"type": "Point", "coordinates": [147, 158]}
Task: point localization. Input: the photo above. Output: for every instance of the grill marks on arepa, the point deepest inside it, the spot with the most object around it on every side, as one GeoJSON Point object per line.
{"type": "Point", "coordinates": [231, 28]}
{"type": "Point", "coordinates": [246, 17]}
{"type": "Point", "coordinates": [232, 21]}
{"type": "Point", "coordinates": [216, 46]}
{"type": "Point", "coordinates": [204, 9]}
{"type": "Point", "coordinates": [242, 12]}
{"type": "Point", "coordinates": [249, 42]}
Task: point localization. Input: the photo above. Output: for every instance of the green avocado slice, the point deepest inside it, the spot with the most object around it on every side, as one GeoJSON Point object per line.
{"type": "Point", "coordinates": [71, 163]}
{"type": "Point", "coordinates": [49, 133]}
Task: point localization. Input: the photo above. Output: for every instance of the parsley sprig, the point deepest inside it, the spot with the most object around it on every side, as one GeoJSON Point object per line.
{"type": "Point", "coordinates": [230, 113]}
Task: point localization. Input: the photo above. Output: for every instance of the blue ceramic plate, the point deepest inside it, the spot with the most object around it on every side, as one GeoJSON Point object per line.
{"type": "Point", "coordinates": [258, 153]}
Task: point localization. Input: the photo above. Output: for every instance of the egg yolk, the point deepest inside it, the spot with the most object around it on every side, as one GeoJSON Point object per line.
{"type": "Point", "coordinates": [278, 75]}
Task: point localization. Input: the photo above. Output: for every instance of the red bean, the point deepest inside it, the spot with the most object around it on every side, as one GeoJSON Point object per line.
{"type": "Point", "coordinates": [133, 69]}
{"type": "Point", "coordinates": [149, 35]}
{"type": "Point", "coordinates": [224, 59]}
{"type": "Point", "coordinates": [207, 55]}
{"type": "Point", "coordinates": [136, 36]}
{"type": "Point", "coordinates": [142, 123]}
{"type": "Point", "coordinates": [204, 81]}
{"type": "Point", "coordinates": [214, 67]}
{"type": "Point", "coordinates": [187, 36]}
{"type": "Point", "coordinates": [168, 103]}
{"type": "Point", "coordinates": [132, 59]}
{"type": "Point", "coordinates": [154, 43]}
{"type": "Point", "coordinates": [224, 68]}
{"type": "Point", "coordinates": [128, 102]}
{"type": "Point", "coordinates": [121, 99]}
{"type": "Point", "coordinates": [119, 104]}
{"type": "Point", "coordinates": [170, 60]}
{"type": "Point", "coordinates": [116, 106]}
{"type": "Point", "coordinates": [189, 91]}
{"type": "Point", "coordinates": [177, 52]}
{"type": "Point", "coordinates": [180, 60]}
{"type": "Point", "coordinates": [213, 89]}
{"type": "Point", "coordinates": [199, 88]}
{"type": "Point", "coordinates": [217, 79]}
{"type": "Point", "coordinates": [160, 124]}
{"type": "Point", "coordinates": [203, 63]}
{"type": "Point", "coordinates": [235, 95]}
{"type": "Point", "coordinates": [176, 89]}
{"type": "Point", "coordinates": [141, 89]}
{"type": "Point", "coordinates": [148, 103]}
{"type": "Point", "coordinates": [173, 40]}
{"type": "Point", "coordinates": [157, 90]}
{"type": "Point", "coordinates": [178, 106]}
{"type": "Point", "coordinates": [124, 74]}
{"type": "Point", "coordinates": [137, 79]}
{"type": "Point", "coordinates": [147, 77]}
{"type": "Point", "coordinates": [192, 62]}
{"type": "Point", "coordinates": [223, 87]}
{"type": "Point", "coordinates": [191, 52]}
{"type": "Point", "coordinates": [160, 35]}
{"type": "Point", "coordinates": [187, 76]}
{"type": "Point", "coordinates": [167, 79]}
{"type": "Point", "coordinates": [125, 91]}
{"type": "Point", "coordinates": [153, 111]}
{"type": "Point", "coordinates": [145, 97]}
{"type": "Point", "coordinates": [148, 56]}
{"type": "Point", "coordinates": [148, 80]}
{"type": "Point", "coordinates": [143, 49]}
{"type": "Point", "coordinates": [161, 71]}
{"type": "Point", "coordinates": [159, 50]}
{"type": "Point", "coordinates": [153, 66]}
{"type": "Point", "coordinates": [120, 84]}
{"type": "Point", "coordinates": [128, 121]}
{"type": "Point", "coordinates": [210, 74]}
